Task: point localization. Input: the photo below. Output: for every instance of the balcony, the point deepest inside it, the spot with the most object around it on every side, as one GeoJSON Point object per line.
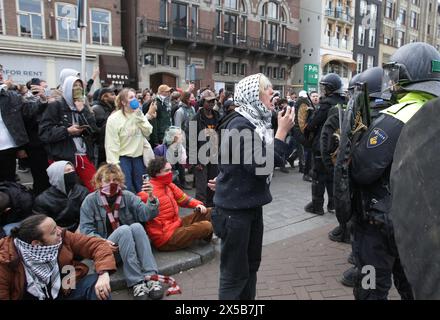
{"type": "Point", "coordinates": [149, 29]}
{"type": "Point", "coordinates": [339, 15]}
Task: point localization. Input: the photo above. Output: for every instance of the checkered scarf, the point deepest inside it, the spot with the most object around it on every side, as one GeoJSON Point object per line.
{"type": "Point", "coordinates": [41, 267]}
{"type": "Point", "coordinates": [247, 100]}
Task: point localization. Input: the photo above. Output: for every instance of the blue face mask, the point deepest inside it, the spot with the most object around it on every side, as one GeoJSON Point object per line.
{"type": "Point", "coordinates": [134, 104]}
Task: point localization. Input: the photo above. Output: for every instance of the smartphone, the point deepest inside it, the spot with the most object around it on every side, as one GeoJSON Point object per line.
{"type": "Point", "coordinates": [146, 177]}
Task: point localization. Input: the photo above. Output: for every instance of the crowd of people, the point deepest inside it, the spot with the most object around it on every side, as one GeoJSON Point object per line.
{"type": "Point", "coordinates": [109, 172]}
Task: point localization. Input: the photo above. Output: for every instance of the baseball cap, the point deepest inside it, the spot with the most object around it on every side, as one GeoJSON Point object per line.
{"type": "Point", "coordinates": [163, 88]}
{"type": "Point", "coordinates": [208, 95]}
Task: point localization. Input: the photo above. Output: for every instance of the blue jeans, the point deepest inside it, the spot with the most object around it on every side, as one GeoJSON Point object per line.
{"type": "Point", "coordinates": [85, 289]}
{"type": "Point", "coordinates": [133, 169]}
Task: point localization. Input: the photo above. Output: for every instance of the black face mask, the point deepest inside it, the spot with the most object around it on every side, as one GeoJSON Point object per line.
{"type": "Point", "coordinates": [70, 179]}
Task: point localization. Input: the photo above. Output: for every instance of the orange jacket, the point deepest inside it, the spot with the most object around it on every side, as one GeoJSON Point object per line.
{"type": "Point", "coordinates": [13, 276]}
{"type": "Point", "coordinates": [161, 228]}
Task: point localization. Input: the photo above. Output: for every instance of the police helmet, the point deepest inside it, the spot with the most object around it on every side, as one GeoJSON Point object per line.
{"type": "Point", "coordinates": [332, 83]}
{"type": "Point", "coordinates": [373, 78]}
{"type": "Point", "coordinates": [413, 67]}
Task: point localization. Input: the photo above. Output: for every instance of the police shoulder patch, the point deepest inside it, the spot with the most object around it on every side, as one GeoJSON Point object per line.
{"type": "Point", "coordinates": [376, 138]}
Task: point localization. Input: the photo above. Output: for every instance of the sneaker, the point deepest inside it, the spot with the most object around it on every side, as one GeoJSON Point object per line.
{"type": "Point", "coordinates": [307, 178]}
{"type": "Point", "coordinates": [349, 276]}
{"type": "Point", "coordinates": [310, 208]}
{"type": "Point", "coordinates": [140, 291]}
{"type": "Point", "coordinates": [154, 289]}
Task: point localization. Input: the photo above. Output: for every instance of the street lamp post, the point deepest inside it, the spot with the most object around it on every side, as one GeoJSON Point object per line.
{"type": "Point", "coordinates": [82, 25]}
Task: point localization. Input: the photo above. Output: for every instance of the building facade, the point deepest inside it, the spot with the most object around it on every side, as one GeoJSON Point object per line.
{"type": "Point", "coordinates": [211, 42]}
{"type": "Point", "coordinates": [367, 34]}
{"type": "Point", "coordinates": [40, 38]}
{"type": "Point", "coordinates": [406, 21]}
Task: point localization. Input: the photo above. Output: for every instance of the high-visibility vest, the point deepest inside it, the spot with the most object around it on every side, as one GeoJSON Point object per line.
{"type": "Point", "coordinates": [408, 106]}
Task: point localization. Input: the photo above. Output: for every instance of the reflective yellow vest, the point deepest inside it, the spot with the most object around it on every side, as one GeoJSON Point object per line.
{"type": "Point", "coordinates": [408, 106]}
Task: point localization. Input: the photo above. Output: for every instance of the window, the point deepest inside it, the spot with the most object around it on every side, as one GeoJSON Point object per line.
{"type": "Point", "coordinates": [361, 35]}
{"type": "Point", "coordinates": [414, 20]}
{"type": "Point", "coordinates": [243, 28]}
{"type": "Point", "coordinates": [402, 17]}
{"type": "Point", "coordinates": [275, 73]}
{"type": "Point", "coordinates": [430, 7]}
{"type": "Point", "coordinates": [179, 14]}
{"type": "Point", "coordinates": [400, 39]}
{"type": "Point", "coordinates": [218, 23]}
{"type": "Point", "coordinates": [283, 74]}
{"type": "Point", "coordinates": [231, 4]}
{"type": "Point", "coordinates": [388, 9]}
{"type": "Point", "coordinates": [429, 29]}
{"type": "Point", "coordinates": [227, 68]}
{"type": "Point", "coordinates": [373, 13]}
{"type": "Point", "coordinates": [360, 63]}
{"type": "Point", "coordinates": [329, 34]}
{"type": "Point", "coordinates": [243, 69]}
{"type": "Point", "coordinates": [230, 28]}
{"type": "Point", "coordinates": [218, 67]}
{"type": "Point", "coordinates": [235, 69]}
{"type": "Point", "coordinates": [66, 19]}
{"type": "Point", "coordinates": [175, 62]}
{"type": "Point", "coordinates": [195, 17]}
{"type": "Point", "coordinates": [338, 36]}
{"type": "Point", "coordinates": [272, 10]}
{"type": "Point", "coordinates": [30, 18]}
{"type": "Point", "coordinates": [262, 70]}
{"type": "Point", "coordinates": [163, 14]}
{"type": "Point", "coordinates": [101, 30]}
{"type": "Point", "coordinates": [269, 72]}
{"type": "Point", "coordinates": [363, 8]}
{"type": "Point", "coordinates": [387, 41]}
{"type": "Point", "coordinates": [2, 19]}
{"type": "Point", "coordinates": [372, 38]}
{"type": "Point", "coordinates": [370, 62]}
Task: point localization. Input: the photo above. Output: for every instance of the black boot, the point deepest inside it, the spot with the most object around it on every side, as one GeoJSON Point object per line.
{"type": "Point", "coordinates": [349, 276]}
{"type": "Point", "coordinates": [331, 206]}
{"type": "Point", "coordinates": [339, 234]}
{"type": "Point", "coordinates": [314, 208]}
{"type": "Point", "coordinates": [351, 258]}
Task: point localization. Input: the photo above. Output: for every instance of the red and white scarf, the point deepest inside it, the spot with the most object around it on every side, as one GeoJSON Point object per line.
{"type": "Point", "coordinates": [113, 215]}
{"type": "Point", "coordinates": [174, 287]}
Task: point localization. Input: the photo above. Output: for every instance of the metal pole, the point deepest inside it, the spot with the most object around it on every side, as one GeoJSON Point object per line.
{"type": "Point", "coordinates": [84, 42]}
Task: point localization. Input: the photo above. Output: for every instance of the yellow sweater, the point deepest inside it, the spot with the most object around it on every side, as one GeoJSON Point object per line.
{"type": "Point", "coordinates": [124, 135]}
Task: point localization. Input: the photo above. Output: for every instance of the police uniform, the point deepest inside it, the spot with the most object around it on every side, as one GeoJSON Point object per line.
{"type": "Point", "coordinates": [374, 243]}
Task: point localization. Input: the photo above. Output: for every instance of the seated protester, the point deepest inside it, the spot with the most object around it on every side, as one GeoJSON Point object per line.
{"type": "Point", "coordinates": [62, 201]}
{"type": "Point", "coordinates": [15, 205]}
{"type": "Point", "coordinates": [35, 263]}
{"type": "Point", "coordinates": [168, 231]}
{"type": "Point", "coordinates": [118, 215]}
{"type": "Point", "coordinates": [173, 149]}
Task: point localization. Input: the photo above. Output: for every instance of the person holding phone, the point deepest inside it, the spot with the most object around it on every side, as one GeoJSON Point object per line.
{"type": "Point", "coordinates": [126, 132]}
{"type": "Point", "coordinates": [68, 128]}
{"type": "Point", "coordinates": [118, 216]}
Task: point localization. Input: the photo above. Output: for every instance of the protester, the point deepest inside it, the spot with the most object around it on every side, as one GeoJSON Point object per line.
{"type": "Point", "coordinates": [118, 216]}
{"type": "Point", "coordinates": [68, 129]}
{"type": "Point", "coordinates": [163, 119]}
{"type": "Point", "coordinates": [38, 257]}
{"type": "Point", "coordinates": [62, 201]}
{"type": "Point", "coordinates": [126, 131]}
{"type": "Point", "coordinates": [168, 231]}
{"type": "Point", "coordinates": [241, 189]}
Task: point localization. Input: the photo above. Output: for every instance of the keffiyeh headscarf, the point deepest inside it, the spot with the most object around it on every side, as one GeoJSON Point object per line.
{"type": "Point", "coordinates": [41, 267]}
{"type": "Point", "coordinates": [247, 100]}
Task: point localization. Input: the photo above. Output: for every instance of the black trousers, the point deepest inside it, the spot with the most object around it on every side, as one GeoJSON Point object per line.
{"type": "Point", "coordinates": [8, 164]}
{"type": "Point", "coordinates": [241, 232]}
{"type": "Point", "coordinates": [322, 180]}
{"type": "Point", "coordinates": [201, 177]}
{"type": "Point", "coordinates": [38, 165]}
{"type": "Point", "coordinates": [374, 246]}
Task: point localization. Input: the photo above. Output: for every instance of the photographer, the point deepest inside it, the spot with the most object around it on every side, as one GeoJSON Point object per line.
{"type": "Point", "coordinates": [68, 129]}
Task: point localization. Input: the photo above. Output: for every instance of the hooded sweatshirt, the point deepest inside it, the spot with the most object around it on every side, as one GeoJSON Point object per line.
{"type": "Point", "coordinates": [65, 73]}
{"type": "Point", "coordinates": [56, 175]}
{"type": "Point", "coordinates": [80, 145]}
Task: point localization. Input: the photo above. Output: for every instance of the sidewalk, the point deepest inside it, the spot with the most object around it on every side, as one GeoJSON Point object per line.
{"type": "Point", "coordinates": [304, 267]}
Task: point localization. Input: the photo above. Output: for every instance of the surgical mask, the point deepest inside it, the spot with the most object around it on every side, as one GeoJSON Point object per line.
{"type": "Point", "coordinates": [78, 94]}
{"type": "Point", "coordinates": [134, 104]}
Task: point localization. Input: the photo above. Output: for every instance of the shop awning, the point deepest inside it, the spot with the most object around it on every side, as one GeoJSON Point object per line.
{"type": "Point", "coordinates": [326, 58]}
{"type": "Point", "coordinates": [114, 70]}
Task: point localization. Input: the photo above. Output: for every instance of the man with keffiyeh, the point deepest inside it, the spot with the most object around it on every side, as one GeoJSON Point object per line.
{"type": "Point", "coordinates": [37, 263]}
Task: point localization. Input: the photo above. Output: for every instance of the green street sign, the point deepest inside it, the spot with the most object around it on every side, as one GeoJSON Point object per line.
{"type": "Point", "coordinates": [311, 74]}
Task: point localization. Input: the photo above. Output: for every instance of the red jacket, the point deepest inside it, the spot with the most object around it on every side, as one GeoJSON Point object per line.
{"type": "Point", "coordinates": [161, 228]}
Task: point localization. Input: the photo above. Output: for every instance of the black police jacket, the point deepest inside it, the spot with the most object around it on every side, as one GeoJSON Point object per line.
{"type": "Point", "coordinates": [15, 110]}
{"type": "Point", "coordinates": [65, 210]}
{"type": "Point", "coordinates": [53, 131]}
{"type": "Point", "coordinates": [329, 142]}
{"type": "Point", "coordinates": [21, 202]}
{"type": "Point", "coordinates": [320, 116]}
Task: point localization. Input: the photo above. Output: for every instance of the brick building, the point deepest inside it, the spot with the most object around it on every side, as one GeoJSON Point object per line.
{"type": "Point", "coordinates": [39, 38]}
{"type": "Point", "coordinates": [224, 40]}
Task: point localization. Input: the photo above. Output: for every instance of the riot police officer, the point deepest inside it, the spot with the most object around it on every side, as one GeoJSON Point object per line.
{"type": "Point", "coordinates": [331, 90]}
{"type": "Point", "coordinates": [413, 79]}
